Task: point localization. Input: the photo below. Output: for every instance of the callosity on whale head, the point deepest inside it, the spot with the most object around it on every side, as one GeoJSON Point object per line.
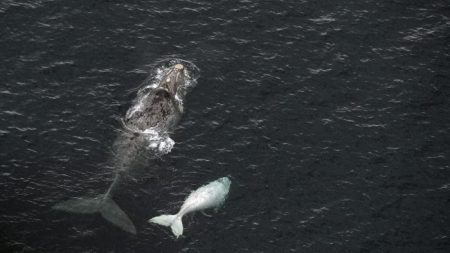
{"type": "Point", "coordinates": [159, 107]}
{"type": "Point", "coordinates": [173, 78]}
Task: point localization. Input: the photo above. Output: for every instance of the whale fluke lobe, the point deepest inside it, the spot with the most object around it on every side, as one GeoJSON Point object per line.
{"type": "Point", "coordinates": [112, 212]}
{"type": "Point", "coordinates": [174, 221]}
{"type": "Point", "coordinates": [79, 205]}
{"type": "Point", "coordinates": [101, 204]}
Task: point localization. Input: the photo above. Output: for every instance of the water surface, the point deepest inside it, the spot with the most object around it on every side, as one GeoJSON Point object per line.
{"type": "Point", "coordinates": [332, 118]}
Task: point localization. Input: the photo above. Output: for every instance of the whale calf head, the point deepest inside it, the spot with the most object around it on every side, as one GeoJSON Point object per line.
{"type": "Point", "coordinates": [225, 181]}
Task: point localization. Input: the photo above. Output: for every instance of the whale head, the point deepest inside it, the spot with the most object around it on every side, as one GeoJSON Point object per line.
{"type": "Point", "coordinates": [225, 181]}
{"type": "Point", "coordinates": [173, 79]}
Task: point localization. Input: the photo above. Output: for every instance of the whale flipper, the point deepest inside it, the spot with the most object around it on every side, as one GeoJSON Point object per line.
{"type": "Point", "coordinates": [174, 221]}
{"type": "Point", "coordinates": [100, 204]}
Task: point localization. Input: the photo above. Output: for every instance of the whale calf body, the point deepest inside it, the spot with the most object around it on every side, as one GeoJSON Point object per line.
{"type": "Point", "coordinates": [211, 195]}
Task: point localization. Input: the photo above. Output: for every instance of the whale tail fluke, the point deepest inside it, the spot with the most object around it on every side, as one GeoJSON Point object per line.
{"type": "Point", "coordinates": [174, 221]}
{"type": "Point", "coordinates": [101, 204]}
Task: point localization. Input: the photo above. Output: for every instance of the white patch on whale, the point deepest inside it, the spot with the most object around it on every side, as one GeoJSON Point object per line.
{"type": "Point", "coordinates": [162, 144]}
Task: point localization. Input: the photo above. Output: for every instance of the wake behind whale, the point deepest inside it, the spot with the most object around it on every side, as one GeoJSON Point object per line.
{"type": "Point", "coordinates": [147, 125]}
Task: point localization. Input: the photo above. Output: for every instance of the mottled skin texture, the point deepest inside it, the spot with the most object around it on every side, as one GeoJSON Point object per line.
{"type": "Point", "coordinates": [160, 109]}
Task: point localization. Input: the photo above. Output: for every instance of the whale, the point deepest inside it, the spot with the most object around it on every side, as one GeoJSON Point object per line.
{"type": "Point", "coordinates": [211, 195]}
{"type": "Point", "coordinates": [147, 125]}
{"type": "Point", "coordinates": [161, 108]}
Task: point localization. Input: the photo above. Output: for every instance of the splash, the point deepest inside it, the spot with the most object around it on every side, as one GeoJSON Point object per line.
{"type": "Point", "coordinates": [157, 142]}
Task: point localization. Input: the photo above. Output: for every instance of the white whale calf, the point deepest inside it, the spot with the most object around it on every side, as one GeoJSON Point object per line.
{"type": "Point", "coordinates": [207, 196]}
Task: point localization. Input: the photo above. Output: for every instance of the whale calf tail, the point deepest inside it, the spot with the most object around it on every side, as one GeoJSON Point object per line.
{"type": "Point", "coordinates": [174, 221]}
{"type": "Point", "coordinates": [102, 204]}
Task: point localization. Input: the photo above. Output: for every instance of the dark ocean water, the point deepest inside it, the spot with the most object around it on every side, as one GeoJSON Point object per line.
{"type": "Point", "coordinates": [332, 118]}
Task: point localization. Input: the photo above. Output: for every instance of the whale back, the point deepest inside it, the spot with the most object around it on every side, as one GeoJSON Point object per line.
{"type": "Point", "coordinates": [159, 109]}
{"type": "Point", "coordinates": [207, 196]}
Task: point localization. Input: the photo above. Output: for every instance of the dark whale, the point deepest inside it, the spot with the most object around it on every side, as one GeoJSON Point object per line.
{"type": "Point", "coordinates": [160, 108]}
{"type": "Point", "coordinates": [147, 124]}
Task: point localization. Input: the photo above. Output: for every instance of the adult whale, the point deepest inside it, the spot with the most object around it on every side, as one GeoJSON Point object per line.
{"type": "Point", "coordinates": [147, 125]}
